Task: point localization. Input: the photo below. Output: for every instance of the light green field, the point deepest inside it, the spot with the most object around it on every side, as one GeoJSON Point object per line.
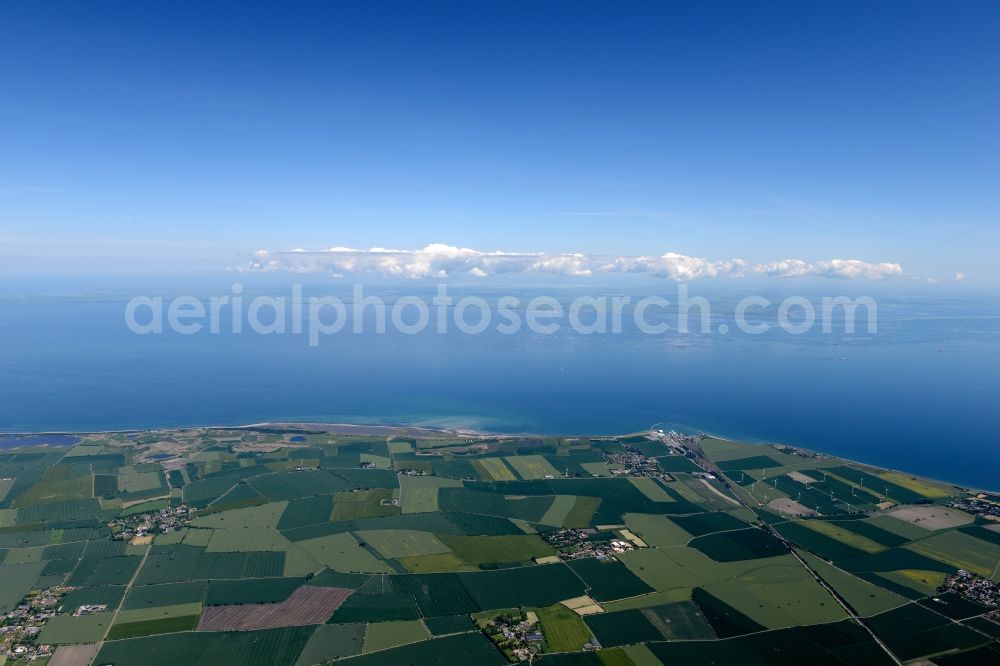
{"type": "Point", "coordinates": [419, 494]}
{"type": "Point", "coordinates": [657, 530]}
{"type": "Point", "coordinates": [582, 511]}
{"type": "Point", "coordinates": [16, 581]}
{"type": "Point", "coordinates": [84, 450]}
{"type": "Point", "coordinates": [384, 635]}
{"type": "Point", "coordinates": [681, 487]}
{"type": "Point", "coordinates": [649, 600]}
{"type": "Point", "coordinates": [402, 543]}
{"type": "Point", "coordinates": [703, 491]}
{"type": "Point", "coordinates": [683, 566]}
{"type": "Point", "coordinates": [961, 551]}
{"type": "Point", "coordinates": [64, 490]}
{"type": "Point", "coordinates": [145, 507]}
{"type": "Point", "coordinates": [721, 450]}
{"type": "Point", "coordinates": [246, 539]}
{"type": "Point", "coordinates": [435, 563]}
{"type": "Point", "coordinates": [363, 504]}
{"type": "Point", "coordinates": [380, 462]}
{"type": "Point", "coordinates": [865, 598]}
{"type": "Point", "coordinates": [68, 629]}
{"type": "Point", "coordinates": [5, 485]}
{"type": "Point", "coordinates": [24, 555]}
{"type": "Point", "coordinates": [300, 562]}
{"type": "Point", "coordinates": [899, 527]}
{"type": "Point", "coordinates": [332, 641]}
{"type": "Point", "coordinates": [651, 489]}
{"type": "Point", "coordinates": [175, 537]}
{"type": "Point", "coordinates": [497, 549]}
{"type": "Point", "coordinates": [132, 481]}
{"type": "Point", "coordinates": [924, 582]}
{"type": "Point", "coordinates": [264, 515]}
{"type": "Point", "coordinates": [596, 468]}
{"type": "Point", "coordinates": [400, 447]}
{"type": "Point", "coordinates": [341, 552]}
{"type": "Point", "coordinates": [158, 612]}
{"type": "Point", "coordinates": [8, 517]}
{"type": "Point", "coordinates": [532, 467]}
{"type": "Point", "coordinates": [494, 469]}
{"type": "Point", "coordinates": [782, 595]}
{"type": "Point", "coordinates": [640, 655]}
{"type": "Point", "coordinates": [198, 537]}
{"type": "Point", "coordinates": [563, 629]}
{"type": "Point", "coordinates": [556, 514]}
{"type": "Point", "coordinates": [835, 531]}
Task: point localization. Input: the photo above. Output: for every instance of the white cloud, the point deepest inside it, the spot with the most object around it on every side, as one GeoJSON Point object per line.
{"type": "Point", "coordinates": [959, 277]}
{"type": "Point", "coordinates": [839, 268]}
{"type": "Point", "coordinates": [676, 266]}
{"type": "Point", "coordinates": [438, 260]}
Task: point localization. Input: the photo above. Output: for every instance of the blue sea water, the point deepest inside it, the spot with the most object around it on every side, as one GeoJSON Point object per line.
{"type": "Point", "coordinates": [920, 395]}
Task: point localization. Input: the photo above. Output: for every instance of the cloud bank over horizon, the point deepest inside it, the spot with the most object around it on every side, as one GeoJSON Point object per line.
{"type": "Point", "coordinates": [439, 260]}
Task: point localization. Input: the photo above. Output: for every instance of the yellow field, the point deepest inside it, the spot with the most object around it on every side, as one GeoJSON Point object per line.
{"type": "Point", "coordinates": [926, 582]}
{"type": "Point", "coordinates": [496, 469]}
{"type": "Point", "coordinates": [532, 467]}
{"type": "Point", "coordinates": [922, 486]}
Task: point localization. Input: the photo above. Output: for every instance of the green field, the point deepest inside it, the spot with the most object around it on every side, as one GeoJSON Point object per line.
{"type": "Point", "coordinates": [402, 543]}
{"type": "Point", "coordinates": [961, 551]}
{"type": "Point", "coordinates": [152, 626]}
{"type": "Point", "coordinates": [332, 641]}
{"type": "Point", "coordinates": [657, 530]}
{"type": "Point", "coordinates": [422, 536]}
{"type": "Point", "coordinates": [68, 629]}
{"type": "Point", "coordinates": [497, 549]}
{"type": "Point", "coordinates": [532, 467]}
{"type": "Point", "coordinates": [563, 629]}
{"type": "Point", "coordinates": [250, 648]}
{"type": "Point", "coordinates": [341, 552]}
{"type": "Point", "coordinates": [385, 635]}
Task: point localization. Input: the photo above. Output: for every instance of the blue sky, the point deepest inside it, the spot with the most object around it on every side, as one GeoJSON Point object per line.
{"type": "Point", "coordinates": [184, 136]}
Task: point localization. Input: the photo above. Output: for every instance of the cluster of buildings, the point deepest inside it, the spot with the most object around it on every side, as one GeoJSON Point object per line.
{"type": "Point", "coordinates": [978, 507]}
{"type": "Point", "coordinates": [678, 443]}
{"type": "Point", "coordinates": [20, 627]}
{"type": "Point", "coordinates": [977, 588]}
{"type": "Point", "coordinates": [143, 526]}
{"type": "Point", "coordinates": [517, 635]}
{"type": "Point", "coordinates": [795, 451]}
{"type": "Point", "coordinates": [574, 544]}
{"type": "Point", "coordinates": [630, 462]}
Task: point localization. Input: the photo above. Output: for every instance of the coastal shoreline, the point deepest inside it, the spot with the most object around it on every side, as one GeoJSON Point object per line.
{"type": "Point", "coordinates": [431, 432]}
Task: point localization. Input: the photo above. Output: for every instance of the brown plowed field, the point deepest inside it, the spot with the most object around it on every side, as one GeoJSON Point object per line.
{"type": "Point", "coordinates": [307, 605]}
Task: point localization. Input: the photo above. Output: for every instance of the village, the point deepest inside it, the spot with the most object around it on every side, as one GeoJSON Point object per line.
{"type": "Point", "coordinates": [19, 628]}
{"type": "Point", "coordinates": [971, 586]}
{"type": "Point", "coordinates": [977, 506]}
{"type": "Point", "coordinates": [140, 528]}
{"type": "Point", "coordinates": [574, 544]}
{"type": "Point", "coordinates": [630, 462]}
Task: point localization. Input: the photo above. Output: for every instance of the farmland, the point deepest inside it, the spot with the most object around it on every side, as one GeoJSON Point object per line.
{"type": "Point", "coordinates": [297, 546]}
{"type": "Point", "coordinates": [307, 605]}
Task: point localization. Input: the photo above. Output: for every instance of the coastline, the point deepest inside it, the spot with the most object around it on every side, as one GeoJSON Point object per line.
{"type": "Point", "coordinates": [431, 432]}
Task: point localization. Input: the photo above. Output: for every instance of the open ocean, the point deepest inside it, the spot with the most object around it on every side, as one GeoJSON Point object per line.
{"type": "Point", "coordinates": [922, 395]}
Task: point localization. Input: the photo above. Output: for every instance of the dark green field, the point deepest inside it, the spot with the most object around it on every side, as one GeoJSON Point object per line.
{"type": "Point", "coordinates": [260, 528]}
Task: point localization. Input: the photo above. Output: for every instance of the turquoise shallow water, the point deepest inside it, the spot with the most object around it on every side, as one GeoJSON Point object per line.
{"type": "Point", "coordinates": [920, 396]}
